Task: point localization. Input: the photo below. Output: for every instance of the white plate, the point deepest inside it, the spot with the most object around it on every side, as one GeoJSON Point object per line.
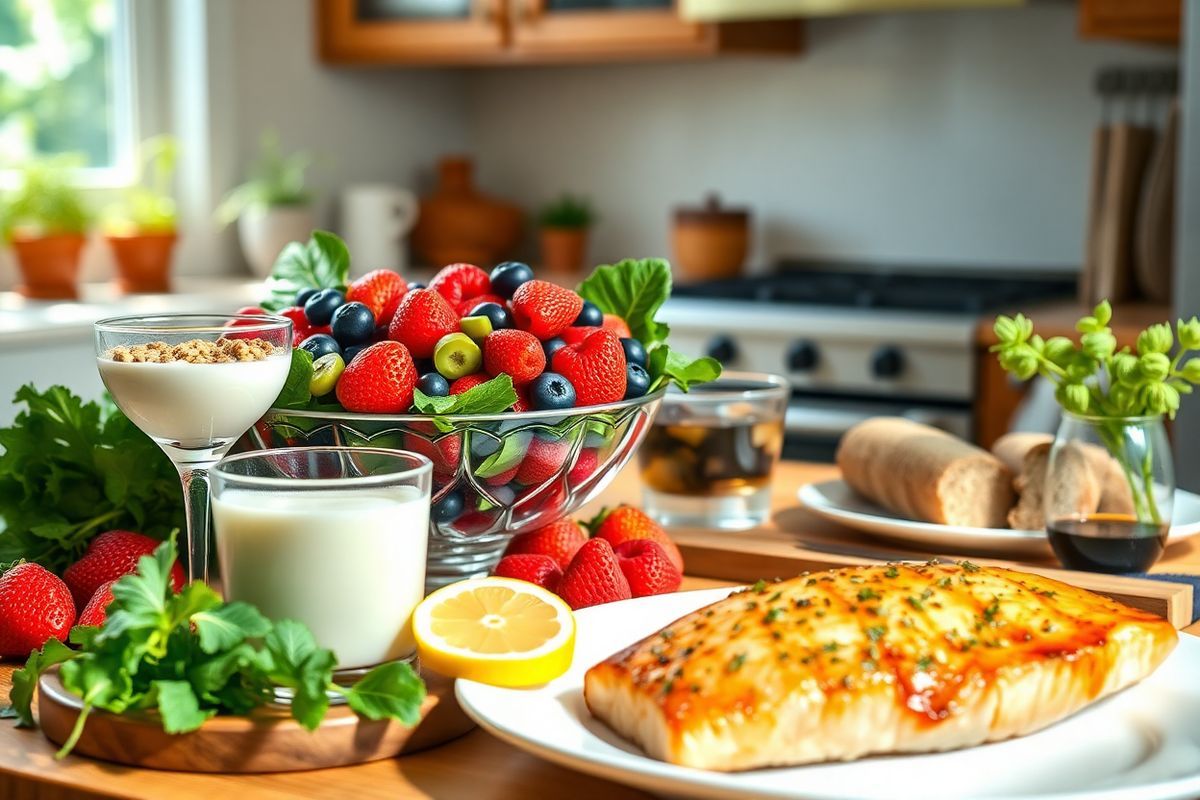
{"type": "Point", "coordinates": [1143, 744]}
{"type": "Point", "coordinates": [836, 501]}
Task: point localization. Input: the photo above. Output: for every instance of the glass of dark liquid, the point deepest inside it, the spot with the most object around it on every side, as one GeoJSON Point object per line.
{"type": "Point", "coordinates": [1109, 493]}
{"type": "Point", "coordinates": [707, 459]}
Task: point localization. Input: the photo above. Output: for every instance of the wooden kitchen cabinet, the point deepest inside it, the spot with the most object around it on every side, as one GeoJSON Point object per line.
{"type": "Point", "coordinates": [481, 32]}
{"type": "Point", "coordinates": [1131, 20]}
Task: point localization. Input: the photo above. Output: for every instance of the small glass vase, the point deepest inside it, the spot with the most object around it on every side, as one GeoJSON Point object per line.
{"type": "Point", "coordinates": [1109, 492]}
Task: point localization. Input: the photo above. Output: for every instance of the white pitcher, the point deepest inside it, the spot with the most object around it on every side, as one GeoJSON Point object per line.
{"type": "Point", "coordinates": [376, 220]}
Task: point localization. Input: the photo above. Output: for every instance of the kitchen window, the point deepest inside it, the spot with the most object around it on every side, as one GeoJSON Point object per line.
{"type": "Point", "coordinates": [67, 85]}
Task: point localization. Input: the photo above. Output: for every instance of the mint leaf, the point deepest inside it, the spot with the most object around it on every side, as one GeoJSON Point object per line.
{"type": "Point", "coordinates": [390, 690]}
{"type": "Point", "coordinates": [492, 397]}
{"type": "Point", "coordinates": [179, 707]}
{"type": "Point", "coordinates": [510, 454]}
{"type": "Point", "coordinates": [670, 366]}
{"type": "Point", "coordinates": [295, 392]}
{"type": "Point", "coordinates": [299, 664]}
{"type": "Point", "coordinates": [323, 262]}
{"type": "Point", "coordinates": [634, 290]}
{"type": "Point", "coordinates": [229, 625]}
{"type": "Point", "coordinates": [25, 680]}
{"type": "Point", "coordinates": [210, 676]}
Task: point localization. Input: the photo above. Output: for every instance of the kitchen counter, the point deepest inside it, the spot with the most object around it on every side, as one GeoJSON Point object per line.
{"type": "Point", "coordinates": [476, 765]}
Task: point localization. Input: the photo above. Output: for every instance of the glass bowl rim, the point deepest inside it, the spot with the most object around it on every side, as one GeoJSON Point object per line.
{"type": "Point", "coordinates": [423, 468]}
{"type": "Point", "coordinates": [129, 323]}
{"type": "Point", "coordinates": [503, 416]}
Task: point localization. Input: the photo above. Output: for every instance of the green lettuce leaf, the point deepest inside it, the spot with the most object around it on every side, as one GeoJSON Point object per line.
{"type": "Point", "coordinates": [634, 290]}
{"type": "Point", "coordinates": [323, 262]}
{"type": "Point", "coordinates": [666, 365]}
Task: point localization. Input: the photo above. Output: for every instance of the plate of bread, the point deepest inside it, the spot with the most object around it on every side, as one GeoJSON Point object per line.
{"type": "Point", "coordinates": [919, 485]}
{"type": "Point", "coordinates": [903, 680]}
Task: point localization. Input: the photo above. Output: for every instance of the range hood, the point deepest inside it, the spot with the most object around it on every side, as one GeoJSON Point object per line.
{"type": "Point", "coordinates": [730, 10]}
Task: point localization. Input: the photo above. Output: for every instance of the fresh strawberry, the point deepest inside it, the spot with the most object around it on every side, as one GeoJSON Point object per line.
{"type": "Point", "coordinates": [617, 325]}
{"type": "Point", "coordinates": [542, 461]}
{"type": "Point", "coordinates": [381, 291]}
{"type": "Point", "coordinates": [626, 523]}
{"type": "Point", "coordinates": [559, 540]}
{"type": "Point", "coordinates": [380, 380]}
{"type": "Point", "coordinates": [647, 567]}
{"type": "Point", "coordinates": [585, 466]}
{"type": "Point", "coordinates": [465, 307]}
{"type": "Point", "coordinates": [468, 382]}
{"type": "Point", "coordinates": [422, 318]}
{"type": "Point", "coordinates": [502, 478]}
{"type": "Point", "coordinates": [109, 556]}
{"type": "Point", "coordinates": [94, 612]}
{"type": "Point", "coordinates": [593, 577]}
{"type": "Point", "coordinates": [457, 282]}
{"type": "Point", "coordinates": [444, 453]}
{"type": "Point", "coordinates": [515, 353]}
{"type": "Point", "coordinates": [595, 367]}
{"type": "Point", "coordinates": [35, 606]}
{"type": "Point", "coordinates": [522, 405]}
{"type": "Point", "coordinates": [545, 309]}
{"type": "Point", "coordinates": [575, 335]}
{"type": "Point", "coordinates": [542, 570]}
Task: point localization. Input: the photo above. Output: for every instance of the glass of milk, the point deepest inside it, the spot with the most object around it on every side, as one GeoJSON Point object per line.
{"type": "Point", "coordinates": [333, 537]}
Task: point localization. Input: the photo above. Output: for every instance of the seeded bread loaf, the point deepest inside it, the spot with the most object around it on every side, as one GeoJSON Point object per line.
{"type": "Point", "coordinates": [924, 473]}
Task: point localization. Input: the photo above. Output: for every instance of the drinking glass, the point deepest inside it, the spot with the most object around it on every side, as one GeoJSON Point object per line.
{"type": "Point", "coordinates": [707, 459]}
{"type": "Point", "coordinates": [193, 411]}
{"type": "Point", "coordinates": [334, 537]}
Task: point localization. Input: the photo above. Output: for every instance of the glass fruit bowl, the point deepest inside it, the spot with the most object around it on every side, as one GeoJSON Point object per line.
{"type": "Point", "coordinates": [494, 475]}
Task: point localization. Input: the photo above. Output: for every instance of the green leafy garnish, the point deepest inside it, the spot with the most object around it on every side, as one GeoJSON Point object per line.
{"type": "Point", "coordinates": [70, 469]}
{"type": "Point", "coordinates": [323, 262]}
{"type": "Point", "coordinates": [635, 290]}
{"type": "Point", "coordinates": [492, 397]}
{"type": "Point", "coordinates": [189, 657]}
{"type": "Point", "coordinates": [295, 392]}
{"type": "Point", "coordinates": [511, 454]}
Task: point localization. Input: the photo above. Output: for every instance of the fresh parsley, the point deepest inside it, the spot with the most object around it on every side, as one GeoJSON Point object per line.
{"type": "Point", "coordinates": [189, 656]}
{"type": "Point", "coordinates": [635, 290]}
{"type": "Point", "coordinates": [70, 469]}
{"type": "Point", "coordinates": [323, 262]}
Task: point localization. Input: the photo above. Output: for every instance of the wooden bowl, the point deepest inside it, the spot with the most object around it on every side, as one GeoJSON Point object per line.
{"type": "Point", "coordinates": [710, 242]}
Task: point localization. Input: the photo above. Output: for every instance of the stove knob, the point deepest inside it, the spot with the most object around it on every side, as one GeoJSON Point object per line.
{"type": "Point", "coordinates": [722, 348]}
{"type": "Point", "coordinates": [802, 356]}
{"type": "Point", "coordinates": [887, 362]}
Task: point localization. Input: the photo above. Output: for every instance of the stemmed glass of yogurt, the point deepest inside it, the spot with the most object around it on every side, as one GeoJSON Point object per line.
{"type": "Point", "coordinates": [194, 383]}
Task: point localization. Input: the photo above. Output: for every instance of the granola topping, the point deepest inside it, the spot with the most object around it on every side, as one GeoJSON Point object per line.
{"type": "Point", "coordinates": [194, 351]}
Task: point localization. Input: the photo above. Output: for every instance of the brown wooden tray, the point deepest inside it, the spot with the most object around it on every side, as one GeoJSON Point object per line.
{"type": "Point", "coordinates": [267, 741]}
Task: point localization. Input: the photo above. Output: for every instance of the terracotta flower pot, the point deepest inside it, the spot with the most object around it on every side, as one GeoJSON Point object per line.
{"type": "Point", "coordinates": [143, 261]}
{"type": "Point", "coordinates": [710, 242]}
{"type": "Point", "coordinates": [49, 265]}
{"type": "Point", "coordinates": [459, 223]}
{"type": "Point", "coordinates": [564, 250]}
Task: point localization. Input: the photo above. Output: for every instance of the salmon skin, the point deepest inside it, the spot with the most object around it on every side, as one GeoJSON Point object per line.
{"type": "Point", "coordinates": [899, 658]}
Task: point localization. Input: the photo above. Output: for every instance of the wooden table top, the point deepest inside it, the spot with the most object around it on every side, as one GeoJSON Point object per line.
{"type": "Point", "coordinates": [476, 765]}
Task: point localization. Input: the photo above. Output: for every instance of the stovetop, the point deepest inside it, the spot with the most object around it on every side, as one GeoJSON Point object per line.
{"type": "Point", "coordinates": [868, 287]}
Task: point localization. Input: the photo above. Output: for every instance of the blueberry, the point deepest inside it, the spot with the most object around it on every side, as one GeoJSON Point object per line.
{"type": "Point", "coordinates": [552, 346]}
{"type": "Point", "coordinates": [349, 353]}
{"type": "Point", "coordinates": [495, 313]}
{"type": "Point", "coordinates": [303, 295]}
{"type": "Point", "coordinates": [320, 307]}
{"type": "Point", "coordinates": [508, 276]}
{"type": "Point", "coordinates": [550, 392]}
{"type": "Point", "coordinates": [412, 286]}
{"type": "Point", "coordinates": [353, 323]}
{"type": "Point", "coordinates": [433, 385]}
{"type": "Point", "coordinates": [448, 508]}
{"type": "Point", "coordinates": [320, 344]}
{"type": "Point", "coordinates": [590, 316]}
{"type": "Point", "coordinates": [637, 381]}
{"type": "Point", "coordinates": [634, 352]}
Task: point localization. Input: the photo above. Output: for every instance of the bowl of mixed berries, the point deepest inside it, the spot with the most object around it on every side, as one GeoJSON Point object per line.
{"type": "Point", "coordinates": [527, 396]}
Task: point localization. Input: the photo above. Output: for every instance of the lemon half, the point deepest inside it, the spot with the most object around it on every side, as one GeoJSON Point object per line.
{"type": "Point", "coordinates": [498, 631]}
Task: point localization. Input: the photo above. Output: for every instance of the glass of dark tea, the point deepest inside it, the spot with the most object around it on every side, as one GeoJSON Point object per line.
{"type": "Point", "coordinates": [708, 457]}
{"type": "Point", "coordinates": [1109, 493]}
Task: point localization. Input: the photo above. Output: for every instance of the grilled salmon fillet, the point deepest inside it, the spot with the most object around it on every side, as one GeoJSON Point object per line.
{"type": "Point", "coordinates": [896, 658]}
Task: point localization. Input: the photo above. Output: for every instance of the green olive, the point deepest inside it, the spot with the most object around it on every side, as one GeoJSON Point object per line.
{"type": "Point", "coordinates": [455, 355]}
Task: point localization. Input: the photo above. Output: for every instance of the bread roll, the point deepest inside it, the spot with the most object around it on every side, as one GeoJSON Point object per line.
{"type": "Point", "coordinates": [1088, 479]}
{"type": "Point", "coordinates": [924, 473]}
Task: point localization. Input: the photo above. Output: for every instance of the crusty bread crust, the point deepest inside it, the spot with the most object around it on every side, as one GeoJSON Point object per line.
{"type": "Point", "coordinates": [924, 473]}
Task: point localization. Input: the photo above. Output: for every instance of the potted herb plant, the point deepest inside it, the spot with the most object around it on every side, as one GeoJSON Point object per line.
{"type": "Point", "coordinates": [1110, 481]}
{"type": "Point", "coordinates": [273, 207]}
{"type": "Point", "coordinates": [45, 220]}
{"type": "Point", "coordinates": [564, 227]}
{"type": "Point", "coordinates": [141, 227]}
